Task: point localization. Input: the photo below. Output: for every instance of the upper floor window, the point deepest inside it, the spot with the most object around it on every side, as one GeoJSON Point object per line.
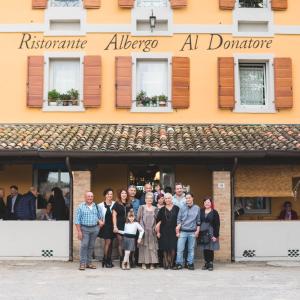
{"type": "Point", "coordinates": [253, 3]}
{"type": "Point", "coordinates": [252, 84]}
{"type": "Point", "coordinates": [65, 3]}
{"type": "Point", "coordinates": [152, 3]}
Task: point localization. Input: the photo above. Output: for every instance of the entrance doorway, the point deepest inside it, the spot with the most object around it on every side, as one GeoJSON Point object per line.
{"type": "Point", "coordinates": [153, 174]}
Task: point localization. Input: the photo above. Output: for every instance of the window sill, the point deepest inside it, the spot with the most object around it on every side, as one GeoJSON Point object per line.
{"type": "Point", "coordinates": [63, 108]}
{"type": "Point", "coordinates": [151, 109]}
{"type": "Point", "coordinates": [255, 110]}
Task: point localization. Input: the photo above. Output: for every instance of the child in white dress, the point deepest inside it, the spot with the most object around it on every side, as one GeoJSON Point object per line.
{"type": "Point", "coordinates": [129, 233]}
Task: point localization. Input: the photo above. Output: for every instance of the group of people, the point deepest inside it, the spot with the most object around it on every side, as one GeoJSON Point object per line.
{"type": "Point", "coordinates": [157, 229]}
{"type": "Point", "coordinates": [32, 206]}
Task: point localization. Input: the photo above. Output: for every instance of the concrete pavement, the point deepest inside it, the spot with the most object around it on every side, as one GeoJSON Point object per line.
{"type": "Point", "coordinates": [24, 280]}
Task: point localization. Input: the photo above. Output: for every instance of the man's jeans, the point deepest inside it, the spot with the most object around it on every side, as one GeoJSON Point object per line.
{"type": "Point", "coordinates": [89, 235]}
{"type": "Point", "coordinates": [191, 239]}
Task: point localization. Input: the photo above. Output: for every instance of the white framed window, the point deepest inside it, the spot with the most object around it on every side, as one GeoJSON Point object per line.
{"type": "Point", "coordinates": [254, 84]}
{"type": "Point", "coordinates": [63, 83]}
{"type": "Point", "coordinates": [152, 3]}
{"type": "Point", "coordinates": [65, 3]}
{"type": "Point", "coordinates": [253, 3]}
{"type": "Point", "coordinates": [65, 18]}
{"type": "Point", "coordinates": [254, 205]}
{"type": "Point", "coordinates": [159, 11]}
{"type": "Point", "coordinates": [253, 18]}
{"type": "Point", "coordinates": [151, 84]}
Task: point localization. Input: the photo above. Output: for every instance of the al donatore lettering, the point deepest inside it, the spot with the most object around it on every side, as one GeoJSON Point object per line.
{"type": "Point", "coordinates": [217, 41]}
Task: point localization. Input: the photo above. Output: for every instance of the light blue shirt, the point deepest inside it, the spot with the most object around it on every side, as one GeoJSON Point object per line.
{"type": "Point", "coordinates": [87, 216]}
{"type": "Point", "coordinates": [179, 201]}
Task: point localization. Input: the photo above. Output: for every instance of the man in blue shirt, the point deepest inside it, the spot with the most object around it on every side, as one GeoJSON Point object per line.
{"type": "Point", "coordinates": [134, 201]}
{"type": "Point", "coordinates": [188, 228]}
{"type": "Point", "coordinates": [88, 221]}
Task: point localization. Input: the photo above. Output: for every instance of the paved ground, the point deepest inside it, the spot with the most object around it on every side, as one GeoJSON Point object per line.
{"type": "Point", "coordinates": [57, 280]}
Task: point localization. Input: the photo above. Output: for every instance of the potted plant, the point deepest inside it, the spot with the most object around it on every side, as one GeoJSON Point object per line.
{"type": "Point", "coordinates": [74, 94]}
{"type": "Point", "coordinates": [163, 99]}
{"type": "Point", "coordinates": [53, 97]}
{"type": "Point", "coordinates": [154, 101]}
{"type": "Point", "coordinates": [65, 99]}
{"type": "Point", "coordinates": [140, 98]}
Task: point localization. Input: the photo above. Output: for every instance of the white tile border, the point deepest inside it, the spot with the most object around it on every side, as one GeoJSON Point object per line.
{"type": "Point", "coordinates": [126, 28]}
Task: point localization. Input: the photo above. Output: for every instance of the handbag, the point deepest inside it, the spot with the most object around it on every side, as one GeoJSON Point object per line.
{"type": "Point", "coordinates": [205, 237]}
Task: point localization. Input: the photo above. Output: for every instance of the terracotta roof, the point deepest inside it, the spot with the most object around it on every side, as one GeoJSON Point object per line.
{"type": "Point", "coordinates": [149, 138]}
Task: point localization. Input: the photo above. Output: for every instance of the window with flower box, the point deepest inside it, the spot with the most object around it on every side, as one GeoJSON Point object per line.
{"type": "Point", "coordinates": [151, 84]}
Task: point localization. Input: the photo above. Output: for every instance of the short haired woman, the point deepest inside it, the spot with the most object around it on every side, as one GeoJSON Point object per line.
{"type": "Point", "coordinates": [209, 227]}
{"type": "Point", "coordinates": [106, 232]}
{"type": "Point", "coordinates": [147, 218]}
{"type": "Point", "coordinates": [119, 213]}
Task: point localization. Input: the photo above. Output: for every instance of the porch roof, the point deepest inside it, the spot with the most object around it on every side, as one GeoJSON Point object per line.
{"type": "Point", "coordinates": [152, 139]}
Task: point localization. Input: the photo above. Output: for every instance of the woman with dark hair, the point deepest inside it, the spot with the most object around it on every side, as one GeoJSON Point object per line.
{"type": "Point", "coordinates": [106, 232]}
{"type": "Point", "coordinates": [209, 232]}
{"type": "Point", "coordinates": [119, 213]}
{"type": "Point", "coordinates": [288, 213]}
{"type": "Point", "coordinates": [59, 210]}
{"type": "Point", "coordinates": [166, 231]}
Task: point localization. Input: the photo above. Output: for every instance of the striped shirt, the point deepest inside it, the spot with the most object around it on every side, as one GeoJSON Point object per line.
{"type": "Point", "coordinates": [87, 216]}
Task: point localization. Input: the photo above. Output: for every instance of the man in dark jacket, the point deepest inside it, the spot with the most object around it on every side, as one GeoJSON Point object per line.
{"type": "Point", "coordinates": [26, 207]}
{"type": "Point", "coordinates": [147, 189]}
{"type": "Point", "coordinates": [12, 201]}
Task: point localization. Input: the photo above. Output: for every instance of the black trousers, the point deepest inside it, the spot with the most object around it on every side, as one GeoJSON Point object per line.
{"type": "Point", "coordinates": [208, 255]}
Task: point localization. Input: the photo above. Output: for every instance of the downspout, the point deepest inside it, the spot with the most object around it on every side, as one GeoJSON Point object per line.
{"type": "Point", "coordinates": [68, 165]}
{"type": "Point", "coordinates": [232, 175]}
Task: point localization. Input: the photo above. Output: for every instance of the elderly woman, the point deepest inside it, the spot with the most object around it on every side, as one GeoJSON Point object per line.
{"type": "Point", "coordinates": [166, 231]}
{"type": "Point", "coordinates": [147, 218]}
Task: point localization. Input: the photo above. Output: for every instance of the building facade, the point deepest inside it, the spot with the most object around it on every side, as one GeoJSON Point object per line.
{"type": "Point", "coordinates": [112, 92]}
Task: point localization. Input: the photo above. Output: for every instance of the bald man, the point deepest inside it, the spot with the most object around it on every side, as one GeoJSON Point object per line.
{"type": "Point", "coordinates": [88, 222]}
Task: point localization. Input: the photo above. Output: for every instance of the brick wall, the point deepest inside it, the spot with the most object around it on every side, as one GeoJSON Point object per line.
{"type": "Point", "coordinates": [222, 198]}
{"type": "Point", "coordinates": [82, 184]}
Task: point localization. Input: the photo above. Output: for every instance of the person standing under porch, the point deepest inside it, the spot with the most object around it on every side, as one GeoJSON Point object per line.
{"type": "Point", "coordinates": [11, 202]}
{"type": "Point", "coordinates": [179, 196]}
{"type": "Point", "coordinates": [166, 231]}
{"type": "Point", "coordinates": [149, 246]}
{"type": "Point", "coordinates": [134, 257]}
{"type": "Point", "coordinates": [120, 211]}
{"type": "Point", "coordinates": [88, 221]}
{"type": "Point", "coordinates": [210, 226]}
{"type": "Point", "coordinates": [147, 189]}
{"type": "Point", "coordinates": [188, 227]}
{"type": "Point", "coordinates": [106, 232]}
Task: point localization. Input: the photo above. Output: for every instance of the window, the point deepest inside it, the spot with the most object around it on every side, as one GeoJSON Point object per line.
{"type": "Point", "coordinates": [152, 18]}
{"type": "Point", "coordinates": [65, 18]}
{"type": "Point", "coordinates": [152, 3]}
{"type": "Point", "coordinates": [254, 205]}
{"type": "Point", "coordinates": [252, 84]}
{"type": "Point", "coordinates": [253, 18]}
{"type": "Point", "coordinates": [65, 3]}
{"type": "Point", "coordinates": [63, 82]}
{"type": "Point", "coordinates": [253, 3]}
{"type": "Point", "coordinates": [151, 83]}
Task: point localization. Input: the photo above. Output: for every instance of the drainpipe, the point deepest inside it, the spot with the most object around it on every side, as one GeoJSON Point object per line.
{"type": "Point", "coordinates": [68, 165]}
{"type": "Point", "coordinates": [232, 175]}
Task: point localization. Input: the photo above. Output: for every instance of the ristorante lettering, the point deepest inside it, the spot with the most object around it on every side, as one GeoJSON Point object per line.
{"type": "Point", "coordinates": [32, 42]}
{"type": "Point", "coordinates": [124, 42]}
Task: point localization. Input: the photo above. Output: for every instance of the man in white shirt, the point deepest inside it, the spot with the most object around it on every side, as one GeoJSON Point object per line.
{"type": "Point", "coordinates": [179, 196]}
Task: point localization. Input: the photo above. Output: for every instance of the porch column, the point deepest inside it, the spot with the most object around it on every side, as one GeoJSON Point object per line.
{"type": "Point", "coordinates": [81, 185]}
{"type": "Point", "coordinates": [222, 198]}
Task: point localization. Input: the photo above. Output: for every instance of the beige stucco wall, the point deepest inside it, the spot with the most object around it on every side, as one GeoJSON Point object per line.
{"type": "Point", "coordinates": [204, 85]}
